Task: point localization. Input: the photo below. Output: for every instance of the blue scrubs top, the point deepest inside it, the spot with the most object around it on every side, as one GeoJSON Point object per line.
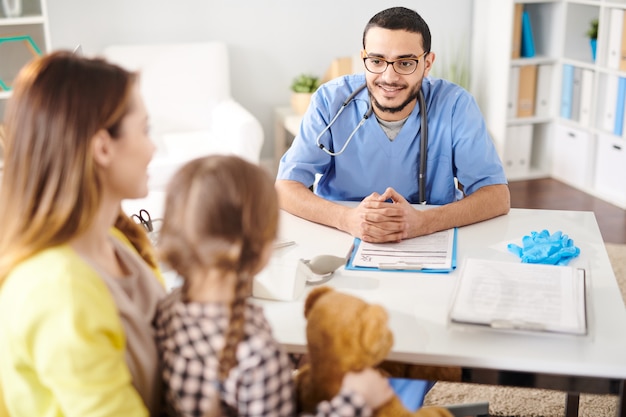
{"type": "Point", "coordinates": [458, 146]}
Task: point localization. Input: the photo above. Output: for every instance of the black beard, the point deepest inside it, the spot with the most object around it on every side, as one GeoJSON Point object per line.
{"type": "Point", "coordinates": [396, 109]}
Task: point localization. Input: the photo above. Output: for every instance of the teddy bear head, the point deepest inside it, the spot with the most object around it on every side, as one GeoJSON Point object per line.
{"type": "Point", "coordinates": [344, 332]}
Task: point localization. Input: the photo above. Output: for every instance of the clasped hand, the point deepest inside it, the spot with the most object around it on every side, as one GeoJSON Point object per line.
{"type": "Point", "coordinates": [383, 217]}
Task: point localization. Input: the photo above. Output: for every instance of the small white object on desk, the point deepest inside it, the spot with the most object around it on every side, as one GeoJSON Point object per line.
{"type": "Point", "coordinates": [283, 243]}
{"type": "Point", "coordinates": [279, 281]}
{"type": "Point", "coordinates": [285, 280]}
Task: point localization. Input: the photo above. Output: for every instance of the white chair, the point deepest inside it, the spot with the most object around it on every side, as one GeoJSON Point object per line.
{"type": "Point", "coordinates": [186, 88]}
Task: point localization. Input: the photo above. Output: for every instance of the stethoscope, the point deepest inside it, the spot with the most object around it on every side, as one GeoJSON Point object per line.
{"type": "Point", "coordinates": [421, 177]}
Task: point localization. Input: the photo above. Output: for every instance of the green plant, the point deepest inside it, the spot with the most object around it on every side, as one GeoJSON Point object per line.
{"type": "Point", "coordinates": [592, 33]}
{"type": "Point", "coordinates": [305, 83]}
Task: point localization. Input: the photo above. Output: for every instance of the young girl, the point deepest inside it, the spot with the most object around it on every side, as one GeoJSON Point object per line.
{"type": "Point", "coordinates": [76, 299]}
{"type": "Point", "coordinates": [220, 221]}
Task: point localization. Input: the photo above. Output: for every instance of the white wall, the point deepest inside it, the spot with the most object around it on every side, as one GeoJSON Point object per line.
{"type": "Point", "coordinates": [270, 41]}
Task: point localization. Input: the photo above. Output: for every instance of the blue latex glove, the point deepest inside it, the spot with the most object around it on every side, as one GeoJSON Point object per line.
{"type": "Point", "coordinates": [543, 248]}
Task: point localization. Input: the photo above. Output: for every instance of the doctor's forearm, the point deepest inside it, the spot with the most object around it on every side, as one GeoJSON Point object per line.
{"type": "Point", "coordinates": [298, 200]}
{"type": "Point", "coordinates": [486, 203]}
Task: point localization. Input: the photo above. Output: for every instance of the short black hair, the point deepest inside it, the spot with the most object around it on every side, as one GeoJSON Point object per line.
{"type": "Point", "coordinates": [400, 18]}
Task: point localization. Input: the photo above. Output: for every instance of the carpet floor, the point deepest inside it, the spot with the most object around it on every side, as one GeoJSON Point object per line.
{"type": "Point", "coordinates": [527, 402]}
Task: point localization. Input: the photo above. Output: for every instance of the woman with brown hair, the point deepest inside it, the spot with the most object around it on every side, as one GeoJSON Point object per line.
{"type": "Point", "coordinates": [76, 299]}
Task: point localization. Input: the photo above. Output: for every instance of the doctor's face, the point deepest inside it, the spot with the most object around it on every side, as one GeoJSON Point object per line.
{"type": "Point", "coordinates": [394, 95]}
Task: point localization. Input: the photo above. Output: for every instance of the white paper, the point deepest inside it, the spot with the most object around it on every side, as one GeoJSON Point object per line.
{"type": "Point", "coordinates": [432, 251]}
{"type": "Point", "coordinates": [521, 296]}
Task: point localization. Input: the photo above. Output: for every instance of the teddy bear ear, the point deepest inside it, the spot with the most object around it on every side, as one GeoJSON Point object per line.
{"type": "Point", "coordinates": [374, 330]}
{"type": "Point", "coordinates": [312, 298]}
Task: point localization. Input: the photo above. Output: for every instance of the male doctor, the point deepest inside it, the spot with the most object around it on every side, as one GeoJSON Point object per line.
{"type": "Point", "coordinates": [378, 163]}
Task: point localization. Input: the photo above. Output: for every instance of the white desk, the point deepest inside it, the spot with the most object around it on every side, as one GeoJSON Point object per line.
{"type": "Point", "coordinates": [418, 304]}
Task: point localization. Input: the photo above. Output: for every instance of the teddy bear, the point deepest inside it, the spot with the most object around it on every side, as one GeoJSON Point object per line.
{"type": "Point", "coordinates": [344, 333]}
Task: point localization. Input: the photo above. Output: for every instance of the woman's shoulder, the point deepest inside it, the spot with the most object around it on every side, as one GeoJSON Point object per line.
{"type": "Point", "coordinates": [55, 282]}
{"type": "Point", "coordinates": [52, 266]}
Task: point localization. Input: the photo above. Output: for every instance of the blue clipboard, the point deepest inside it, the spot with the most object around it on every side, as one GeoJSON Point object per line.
{"type": "Point", "coordinates": [350, 264]}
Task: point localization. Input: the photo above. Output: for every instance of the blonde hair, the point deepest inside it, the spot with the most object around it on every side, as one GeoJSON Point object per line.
{"type": "Point", "coordinates": [220, 212]}
{"type": "Point", "coordinates": [50, 187]}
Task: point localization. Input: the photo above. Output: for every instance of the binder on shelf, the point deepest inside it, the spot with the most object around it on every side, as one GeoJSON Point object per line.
{"type": "Point", "coordinates": [622, 61]}
{"type": "Point", "coordinates": [511, 107]}
{"type": "Point", "coordinates": [610, 100]}
{"type": "Point", "coordinates": [517, 150]}
{"type": "Point", "coordinates": [619, 107]}
{"type": "Point", "coordinates": [527, 91]}
{"type": "Point", "coordinates": [586, 92]}
{"type": "Point", "coordinates": [614, 44]}
{"type": "Point", "coordinates": [528, 40]}
{"type": "Point", "coordinates": [516, 47]}
{"type": "Point", "coordinates": [576, 86]}
{"type": "Point", "coordinates": [567, 84]}
{"type": "Point", "coordinates": [504, 296]}
{"type": "Point", "coordinates": [623, 116]}
{"type": "Point", "coordinates": [544, 90]}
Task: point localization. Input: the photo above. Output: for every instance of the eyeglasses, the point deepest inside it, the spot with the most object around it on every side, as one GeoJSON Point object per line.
{"type": "Point", "coordinates": [403, 66]}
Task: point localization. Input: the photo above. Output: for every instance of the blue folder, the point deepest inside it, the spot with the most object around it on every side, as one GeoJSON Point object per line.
{"type": "Point", "coordinates": [350, 265]}
{"type": "Point", "coordinates": [619, 107]}
{"type": "Point", "coordinates": [567, 91]}
{"type": "Point", "coordinates": [528, 41]}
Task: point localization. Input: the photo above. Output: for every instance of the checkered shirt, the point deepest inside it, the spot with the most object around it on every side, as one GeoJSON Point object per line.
{"type": "Point", "coordinates": [189, 338]}
{"type": "Point", "coordinates": [344, 404]}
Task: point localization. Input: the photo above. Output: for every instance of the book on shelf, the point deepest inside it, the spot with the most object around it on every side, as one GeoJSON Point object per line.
{"type": "Point", "coordinates": [619, 107]}
{"type": "Point", "coordinates": [516, 47]}
{"type": "Point", "coordinates": [623, 123]}
{"type": "Point", "coordinates": [614, 43]}
{"type": "Point", "coordinates": [567, 84]}
{"type": "Point", "coordinates": [586, 92]}
{"type": "Point", "coordinates": [511, 107]}
{"type": "Point", "coordinates": [622, 61]}
{"type": "Point", "coordinates": [517, 149]}
{"type": "Point", "coordinates": [576, 87]}
{"type": "Point", "coordinates": [610, 101]}
{"type": "Point", "coordinates": [521, 296]}
{"type": "Point", "coordinates": [544, 90]}
{"type": "Point", "coordinates": [526, 91]}
{"type": "Point", "coordinates": [528, 40]}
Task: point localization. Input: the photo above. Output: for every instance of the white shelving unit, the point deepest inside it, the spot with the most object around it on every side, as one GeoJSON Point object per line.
{"type": "Point", "coordinates": [580, 151]}
{"type": "Point", "coordinates": [491, 72]}
{"type": "Point", "coordinates": [33, 22]}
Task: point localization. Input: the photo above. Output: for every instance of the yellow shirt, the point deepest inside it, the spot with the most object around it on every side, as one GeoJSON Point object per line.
{"type": "Point", "coordinates": [62, 343]}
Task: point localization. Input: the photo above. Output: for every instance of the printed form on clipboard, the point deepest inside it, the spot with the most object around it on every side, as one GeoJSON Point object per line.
{"type": "Point", "coordinates": [430, 253]}
{"type": "Point", "coordinates": [521, 296]}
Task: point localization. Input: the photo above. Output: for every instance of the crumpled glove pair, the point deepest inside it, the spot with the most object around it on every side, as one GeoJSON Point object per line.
{"type": "Point", "coordinates": [544, 248]}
